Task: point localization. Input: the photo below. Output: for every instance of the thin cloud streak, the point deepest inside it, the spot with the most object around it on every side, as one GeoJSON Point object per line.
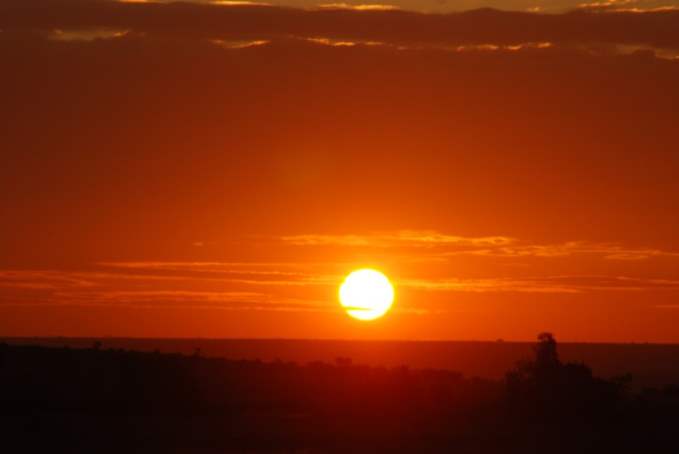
{"type": "Point", "coordinates": [276, 285]}
{"type": "Point", "coordinates": [607, 251]}
{"type": "Point", "coordinates": [229, 300]}
{"type": "Point", "coordinates": [490, 246]}
{"type": "Point", "coordinates": [93, 288]}
{"type": "Point", "coordinates": [86, 34]}
{"type": "Point", "coordinates": [626, 6]}
{"type": "Point", "coordinates": [552, 284]}
{"type": "Point", "coordinates": [235, 45]}
{"type": "Point", "coordinates": [110, 289]}
{"type": "Point", "coordinates": [359, 7]}
{"type": "Point", "coordinates": [406, 238]}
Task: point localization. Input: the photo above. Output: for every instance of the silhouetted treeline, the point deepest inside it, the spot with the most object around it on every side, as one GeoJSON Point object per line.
{"type": "Point", "coordinates": [104, 400]}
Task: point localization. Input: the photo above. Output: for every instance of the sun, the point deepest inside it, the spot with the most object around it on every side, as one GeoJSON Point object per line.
{"type": "Point", "coordinates": [366, 294]}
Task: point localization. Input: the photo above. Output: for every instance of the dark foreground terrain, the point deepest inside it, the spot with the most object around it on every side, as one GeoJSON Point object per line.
{"type": "Point", "coordinates": [652, 365]}
{"type": "Point", "coordinates": [104, 400]}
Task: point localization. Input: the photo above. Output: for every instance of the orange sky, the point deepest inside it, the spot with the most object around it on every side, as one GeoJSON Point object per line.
{"type": "Point", "coordinates": [199, 171]}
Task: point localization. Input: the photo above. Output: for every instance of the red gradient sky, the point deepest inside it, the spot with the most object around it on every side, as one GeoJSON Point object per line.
{"type": "Point", "coordinates": [196, 170]}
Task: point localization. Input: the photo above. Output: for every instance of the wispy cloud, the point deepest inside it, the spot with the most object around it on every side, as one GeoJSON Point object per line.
{"type": "Point", "coordinates": [230, 300]}
{"type": "Point", "coordinates": [627, 6]}
{"type": "Point", "coordinates": [549, 284]}
{"type": "Point", "coordinates": [284, 273]}
{"type": "Point", "coordinates": [142, 290]}
{"type": "Point", "coordinates": [45, 279]}
{"type": "Point", "coordinates": [608, 21]}
{"type": "Point", "coordinates": [238, 3]}
{"type": "Point", "coordinates": [605, 4]}
{"type": "Point", "coordinates": [488, 285]}
{"type": "Point", "coordinates": [609, 251]}
{"type": "Point", "coordinates": [359, 7]}
{"type": "Point", "coordinates": [331, 42]}
{"type": "Point", "coordinates": [225, 44]}
{"type": "Point", "coordinates": [261, 293]}
{"type": "Point", "coordinates": [86, 34]}
{"type": "Point", "coordinates": [406, 238]}
{"type": "Point", "coordinates": [491, 246]}
{"type": "Point", "coordinates": [286, 285]}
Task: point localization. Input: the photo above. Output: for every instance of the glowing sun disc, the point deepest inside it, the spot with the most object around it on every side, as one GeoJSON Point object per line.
{"type": "Point", "coordinates": [366, 294]}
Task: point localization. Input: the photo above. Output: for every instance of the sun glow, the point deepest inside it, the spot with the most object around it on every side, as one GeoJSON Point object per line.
{"type": "Point", "coordinates": [366, 294]}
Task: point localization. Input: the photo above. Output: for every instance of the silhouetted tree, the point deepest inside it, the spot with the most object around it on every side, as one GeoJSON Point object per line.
{"type": "Point", "coordinates": [546, 355]}
{"type": "Point", "coordinates": [542, 369]}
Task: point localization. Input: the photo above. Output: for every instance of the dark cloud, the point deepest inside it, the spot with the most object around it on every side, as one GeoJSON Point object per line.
{"type": "Point", "coordinates": [652, 28]}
